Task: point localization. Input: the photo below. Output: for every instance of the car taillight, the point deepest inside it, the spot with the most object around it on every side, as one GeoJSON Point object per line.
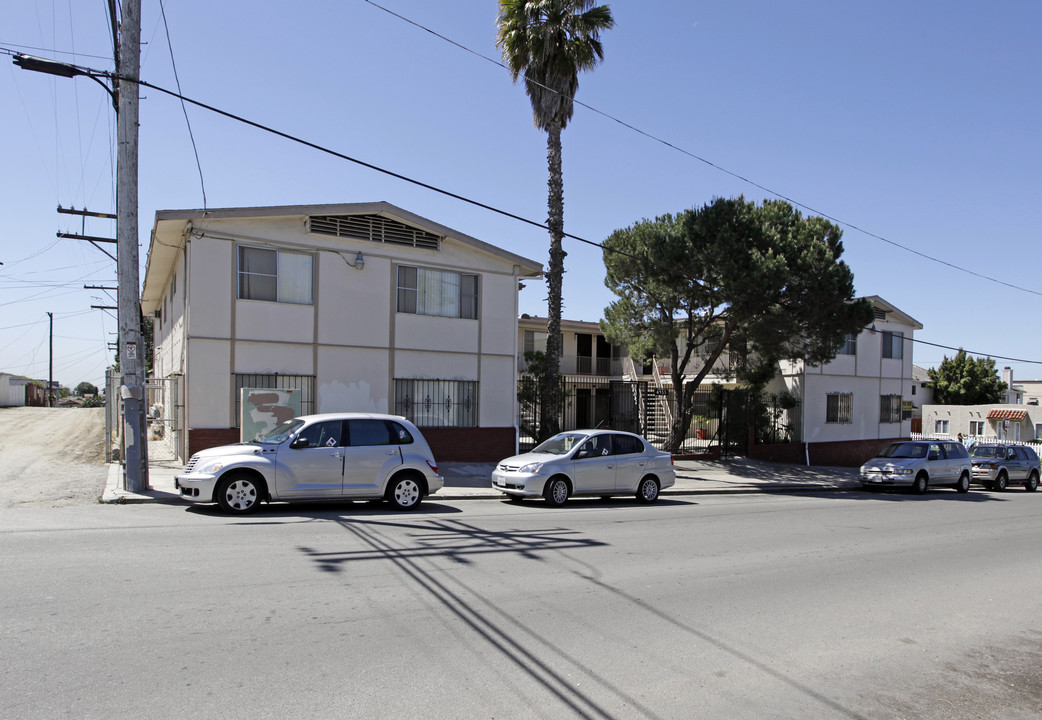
{"type": "Point", "coordinates": [671, 461]}
{"type": "Point", "coordinates": [432, 467]}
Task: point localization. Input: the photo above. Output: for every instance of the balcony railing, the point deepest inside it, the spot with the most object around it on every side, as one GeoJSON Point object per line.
{"type": "Point", "coordinates": [583, 365]}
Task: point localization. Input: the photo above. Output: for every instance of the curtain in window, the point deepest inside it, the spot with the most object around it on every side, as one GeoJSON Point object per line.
{"type": "Point", "coordinates": [295, 274]}
{"type": "Point", "coordinates": [257, 274]}
{"type": "Point", "coordinates": [438, 293]}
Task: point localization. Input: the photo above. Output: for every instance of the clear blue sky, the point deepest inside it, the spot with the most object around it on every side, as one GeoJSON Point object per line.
{"type": "Point", "coordinates": [918, 122]}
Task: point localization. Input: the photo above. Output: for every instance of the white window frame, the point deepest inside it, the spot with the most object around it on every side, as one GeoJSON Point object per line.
{"type": "Point", "coordinates": [941, 427]}
{"type": "Point", "coordinates": [441, 293]}
{"type": "Point", "coordinates": [849, 345]}
{"type": "Point", "coordinates": [977, 428]}
{"type": "Point", "coordinates": [893, 344]}
{"type": "Point", "coordinates": [293, 280]}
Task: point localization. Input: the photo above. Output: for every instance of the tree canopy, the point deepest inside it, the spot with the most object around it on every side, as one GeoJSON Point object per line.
{"type": "Point", "coordinates": [966, 380]}
{"type": "Point", "coordinates": [759, 280]}
{"type": "Point", "coordinates": [86, 388]}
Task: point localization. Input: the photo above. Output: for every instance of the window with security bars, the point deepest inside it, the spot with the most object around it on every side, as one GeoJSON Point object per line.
{"type": "Point", "coordinates": [437, 403]}
{"type": "Point", "coordinates": [838, 407]}
{"type": "Point", "coordinates": [889, 408]}
{"type": "Point", "coordinates": [304, 383]}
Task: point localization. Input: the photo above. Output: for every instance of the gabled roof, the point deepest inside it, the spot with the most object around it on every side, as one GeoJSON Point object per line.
{"type": "Point", "coordinates": [890, 309]}
{"type": "Point", "coordinates": [170, 225]}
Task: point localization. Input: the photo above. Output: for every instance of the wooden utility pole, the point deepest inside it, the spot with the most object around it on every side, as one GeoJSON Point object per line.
{"type": "Point", "coordinates": [50, 363]}
{"type": "Point", "coordinates": [131, 349]}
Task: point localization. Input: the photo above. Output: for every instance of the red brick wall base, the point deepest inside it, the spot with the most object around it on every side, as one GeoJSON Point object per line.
{"type": "Point", "coordinates": [849, 453]}
{"type": "Point", "coordinates": [471, 444]}
{"type": "Point", "coordinates": [202, 438]}
{"type": "Point", "coordinates": [448, 444]}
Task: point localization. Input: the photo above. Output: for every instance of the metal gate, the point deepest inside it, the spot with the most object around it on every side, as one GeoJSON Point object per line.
{"type": "Point", "coordinates": [618, 404]}
{"type": "Point", "coordinates": [164, 409]}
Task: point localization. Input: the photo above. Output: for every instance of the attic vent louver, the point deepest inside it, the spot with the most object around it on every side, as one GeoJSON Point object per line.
{"type": "Point", "coordinates": [880, 314]}
{"type": "Point", "coordinates": [374, 228]}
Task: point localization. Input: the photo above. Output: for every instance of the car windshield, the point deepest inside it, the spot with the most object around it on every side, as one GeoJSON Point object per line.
{"type": "Point", "coordinates": [559, 444]}
{"type": "Point", "coordinates": [988, 451]}
{"type": "Point", "coordinates": [904, 450]}
{"type": "Point", "coordinates": [280, 433]}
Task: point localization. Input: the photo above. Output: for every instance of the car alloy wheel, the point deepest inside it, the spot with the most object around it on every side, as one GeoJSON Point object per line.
{"type": "Point", "coordinates": [964, 483]}
{"type": "Point", "coordinates": [1032, 484]}
{"type": "Point", "coordinates": [557, 491]}
{"type": "Point", "coordinates": [920, 484]}
{"type": "Point", "coordinates": [1001, 482]}
{"type": "Point", "coordinates": [647, 491]}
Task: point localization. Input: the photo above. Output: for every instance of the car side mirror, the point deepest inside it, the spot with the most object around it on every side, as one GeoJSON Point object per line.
{"type": "Point", "coordinates": [299, 443]}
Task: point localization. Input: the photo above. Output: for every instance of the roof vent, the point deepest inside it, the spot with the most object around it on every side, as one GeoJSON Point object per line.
{"type": "Point", "coordinates": [374, 228]}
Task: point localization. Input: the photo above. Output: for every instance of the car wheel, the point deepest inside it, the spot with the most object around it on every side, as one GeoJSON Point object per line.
{"type": "Point", "coordinates": [1032, 484]}
{"type": "Point", "coordinates": [556, 491]}
{"type": "Point", "coordinates": [964, 483]}
{"type": "Point", "coordinates": [238, 494]}
{"type": "Point", "coordinates": [647, 491]}
{"type": "Point", "coordinates": [404, 492]}
{"type": "Point", "coordinates": [1001, 481]}
{"type": "Point", "coordinates": [920, 484]}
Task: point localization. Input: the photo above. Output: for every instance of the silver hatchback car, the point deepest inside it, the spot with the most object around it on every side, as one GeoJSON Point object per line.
{"type": "Point", "coordinates": [349, 456]}
{"type": "Point", "coordinates": [586, 462]}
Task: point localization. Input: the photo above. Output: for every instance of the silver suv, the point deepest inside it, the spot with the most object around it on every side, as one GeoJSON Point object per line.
{"type": "Point", "coordinates": [995, 465]}
{"type": "Point", "coordinates": [919, 464]}
{"type": "Point", "coordinates": [346, 456]}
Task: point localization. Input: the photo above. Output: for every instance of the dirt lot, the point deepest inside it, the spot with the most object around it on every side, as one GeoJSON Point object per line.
{"type": "Point", "coordinates": [51, 457]}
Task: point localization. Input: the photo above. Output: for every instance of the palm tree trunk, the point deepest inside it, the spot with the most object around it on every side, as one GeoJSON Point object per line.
{"type": "Point", "coordinates": [552, 403]}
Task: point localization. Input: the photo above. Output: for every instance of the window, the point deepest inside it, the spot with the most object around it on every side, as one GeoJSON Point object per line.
{"type": "Point", "coordinates": [976, 427]}
{"type": "Point", "coordinates": [627, 444]}
{"type": "Point", "coordinates": [275, 275]}
{"type": "Point", "coordinates": [304, 383]}
{"type": "Point", "coordinates": [437, 403]}
{"type": "Point", "coordinates": [940, 426]}
{"type": "Point", "coordinates": [893, 344]}
{"type": "Point", "coordinates": [423, 291]}
{"type": "Point", "coordinates": [837, 407]}
{"type": "Point", "coordinates": [849, 345]}
{"type": "Point", "coordinates": [322, 434]}
{"type": "Point", "coordinates": [889, 408]}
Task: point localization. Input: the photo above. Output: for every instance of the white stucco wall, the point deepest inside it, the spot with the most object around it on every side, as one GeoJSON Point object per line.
{"type": "Point", "coordinates": [351, 339]}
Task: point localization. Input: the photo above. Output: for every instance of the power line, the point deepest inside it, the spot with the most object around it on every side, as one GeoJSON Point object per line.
{"type": "Point", "coordinates": [716, 166]}
{"type": "Point", "coordinates": [435, 188]}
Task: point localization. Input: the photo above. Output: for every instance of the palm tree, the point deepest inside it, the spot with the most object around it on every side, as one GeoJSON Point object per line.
{"type": "Point", "coordinates": [549, 42]}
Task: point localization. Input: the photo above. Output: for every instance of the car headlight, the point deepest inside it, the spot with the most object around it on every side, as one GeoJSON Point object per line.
{"type": "Point", "coordinates": [902, 471]}
{"type": "Point", "coordinates": [209, 467]}
{"type": "Point", "coordinates": [531, 467]}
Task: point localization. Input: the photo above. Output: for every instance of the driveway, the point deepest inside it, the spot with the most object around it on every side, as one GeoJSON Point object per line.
{"type": "Point", "coordinates": [51, 457]}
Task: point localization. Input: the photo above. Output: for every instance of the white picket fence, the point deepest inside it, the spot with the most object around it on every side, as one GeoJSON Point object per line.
{"type": "Point", "coordinates": [974, 439]}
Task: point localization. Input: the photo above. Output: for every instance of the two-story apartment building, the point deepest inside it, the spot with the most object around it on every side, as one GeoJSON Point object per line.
{"type": "Point", "coordinates": [358, 307]}
{"type": "Point", "coordinates": [864, 396]}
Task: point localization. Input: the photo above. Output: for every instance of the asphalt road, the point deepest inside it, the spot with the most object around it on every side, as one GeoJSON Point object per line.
{"type": "Point", "coordinates": [846, 605]}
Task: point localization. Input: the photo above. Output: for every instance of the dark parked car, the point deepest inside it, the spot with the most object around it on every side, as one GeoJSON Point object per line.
{"type": "Point", "coordinates": [996, 465]}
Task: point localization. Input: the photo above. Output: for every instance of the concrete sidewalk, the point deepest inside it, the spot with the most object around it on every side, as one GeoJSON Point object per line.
{"type": "Point", "coordinates": [467, 481]}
